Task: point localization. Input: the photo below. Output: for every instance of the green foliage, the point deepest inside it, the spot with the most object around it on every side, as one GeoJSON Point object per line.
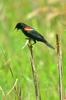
{"type": "Point", "coordinates": [14, 58]}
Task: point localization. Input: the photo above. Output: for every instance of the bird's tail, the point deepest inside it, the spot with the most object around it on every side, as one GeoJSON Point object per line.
{"type": "Point", "coordinates": [48, 44]}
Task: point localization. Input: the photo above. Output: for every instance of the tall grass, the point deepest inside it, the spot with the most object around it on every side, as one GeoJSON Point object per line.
{"type": "Point", "coordinates": [43, 15]}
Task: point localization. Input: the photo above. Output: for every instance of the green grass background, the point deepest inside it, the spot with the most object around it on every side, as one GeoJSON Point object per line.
{"type": "Point", "coordinates": [13, 56]}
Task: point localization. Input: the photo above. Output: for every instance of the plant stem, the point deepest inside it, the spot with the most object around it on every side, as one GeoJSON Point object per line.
{"type": "Point", "coordinates": [35, 76]}
{"type": "Point", "coordinates": [59, 64]}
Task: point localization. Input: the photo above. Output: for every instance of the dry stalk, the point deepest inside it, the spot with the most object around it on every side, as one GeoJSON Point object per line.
{"type": "Point", "coordinates": [12, 88]}
{"type": "Point", "coordinates": [59, 64]}
{"type": "Point", "coordinates": [35, 76]}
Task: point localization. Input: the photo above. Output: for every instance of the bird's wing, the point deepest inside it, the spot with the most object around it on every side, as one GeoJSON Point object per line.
{"type": "Point", "coordinates": [30, 32]}
{"type": "Point", "coordinates": [33, 34]}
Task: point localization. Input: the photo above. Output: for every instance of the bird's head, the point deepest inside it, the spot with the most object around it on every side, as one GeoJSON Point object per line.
{"type": "Point", "coordinates": [20, 26]}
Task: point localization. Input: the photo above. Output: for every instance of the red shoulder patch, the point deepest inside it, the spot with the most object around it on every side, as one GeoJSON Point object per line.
{"type": "Point", "coordinates": [28, 28]}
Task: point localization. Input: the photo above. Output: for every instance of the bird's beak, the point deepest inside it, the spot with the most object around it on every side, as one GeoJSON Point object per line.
{"type": "Point", "coordinates": [15, 28]}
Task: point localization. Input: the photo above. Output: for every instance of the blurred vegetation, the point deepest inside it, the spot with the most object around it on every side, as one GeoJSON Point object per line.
{"type": "Point", "coordinates": [46, 16]}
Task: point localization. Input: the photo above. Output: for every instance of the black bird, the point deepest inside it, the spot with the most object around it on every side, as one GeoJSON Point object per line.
{"type": "Point", "coordinates": [32, 34]}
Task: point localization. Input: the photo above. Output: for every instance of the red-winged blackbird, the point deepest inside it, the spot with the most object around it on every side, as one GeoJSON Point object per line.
{"type": "Point", "coordinates": [32, 34]}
